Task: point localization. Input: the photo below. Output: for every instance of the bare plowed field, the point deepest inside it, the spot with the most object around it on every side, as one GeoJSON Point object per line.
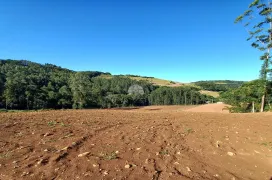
{"type": "Point", "coordinates": [147, 143]}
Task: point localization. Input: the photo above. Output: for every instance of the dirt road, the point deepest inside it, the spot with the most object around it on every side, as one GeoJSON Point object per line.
{"type": "Point", "coordinates": [148, 143]}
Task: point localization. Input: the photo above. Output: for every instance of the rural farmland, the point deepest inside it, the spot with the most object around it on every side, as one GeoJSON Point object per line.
{"type": "Point", "coordinates": [155, 142]}
{"type": "Point", "coordinates": [136, 90]}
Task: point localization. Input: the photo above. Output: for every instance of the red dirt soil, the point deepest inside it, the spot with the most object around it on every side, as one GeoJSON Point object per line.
{"type": "Point", "coordinates": [220, 108]}
{"type": "Point", "coordinates": [158, 142]}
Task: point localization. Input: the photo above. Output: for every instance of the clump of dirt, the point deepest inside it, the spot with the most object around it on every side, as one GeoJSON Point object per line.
{"type": "Point", "coordinates": [160, 142]}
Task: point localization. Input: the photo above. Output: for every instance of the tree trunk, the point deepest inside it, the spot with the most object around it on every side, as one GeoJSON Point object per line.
{"type": "Point", "coordinates": [27, 104]}
{"type": "Point", "coordinates": [185, 98]}
{"type": "Point", "coordinates": [262, 105]}
{"type": "Point", "coordinates": [253, 107]}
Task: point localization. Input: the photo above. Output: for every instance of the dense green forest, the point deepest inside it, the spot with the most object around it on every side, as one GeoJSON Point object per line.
{"type": "Point", "coordinates": [29, 85]}
{"type": "Point", "coordinates": [219, 85]}
{"type": "Point", "coordinates": [178, 95]}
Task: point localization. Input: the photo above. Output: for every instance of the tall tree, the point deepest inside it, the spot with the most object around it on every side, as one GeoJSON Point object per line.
{"type": "Point", "coordinates": [243, 98]}
{"type": "Point", "coordinates": [259, 26]}
{"type": "Point", "coordinates": [2, 86]}
{"type": "Point", "coordinates": [81, 86]}
{"type": "Point", "coordinates": [65, 97]}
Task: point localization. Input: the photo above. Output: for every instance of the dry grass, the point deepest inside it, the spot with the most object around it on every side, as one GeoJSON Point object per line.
{"type": "Point", "coordinates": [210, 93]}
{"type": "Point", "coordinates": [155, 81]}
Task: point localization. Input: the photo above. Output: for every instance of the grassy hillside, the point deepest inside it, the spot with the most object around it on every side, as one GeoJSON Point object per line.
{"type": "Point", "coordinates": [163, 82]}
{"type": "Point", "coordinates": [153, 80]}
{"type": "Point", "coordinates": [210, 93]}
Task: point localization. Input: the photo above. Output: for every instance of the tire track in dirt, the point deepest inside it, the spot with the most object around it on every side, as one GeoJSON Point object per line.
{"type": "Point", "coordinates": [164, 143]}
{"type": "Point", "coordinates": [138, 144]}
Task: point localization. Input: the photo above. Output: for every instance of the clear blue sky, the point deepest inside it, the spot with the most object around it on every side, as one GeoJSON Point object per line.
{"type": "Point", "coordinates": [172, 39]}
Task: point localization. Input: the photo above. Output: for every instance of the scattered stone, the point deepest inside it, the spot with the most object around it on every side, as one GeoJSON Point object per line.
{"type": "Point", "coordinates": [14, 162]}
{"type": "Point", "coordinates": [83, 154]}
{"type": "Point", "coordinates": [157, 153]}
{"type": "Point", "coordinates": [178, 153]}
{"type": "Point", "coordinates": [116, 152]}
{"type": "Point", "coordinates": [218, 144]}
{"type": "Point", "coordinates": [177, 163]}
{"type": "Point", "coordinates": [95, 165]}
{"type": "Point", "coordinates": [105, 173]}
{"type": "Point", "coordinates": [216, 175]}
{"type": "Point", "coordinates": [138, 149]}
{"type": "Point", "coordinates": [65, 148]}
{"type": "Point", "coordinates": [127, 166]}
{"type": "Point", "coordinates": [146, 161]}
{"type": "Point", "coordinates": [226, 138]}
{"type": "Point", "coordinates": [42, 161]}
{"type": "Point", "coordinates": [231, 153]}
{"type": "Point", "coordinates": [46, 150]}
{"type": "Point", "coordinates": [24, 174]}
{"type": "Point", "coordinates": [188, 169]}
{"type": "Point", "coordinates": [47, 134]}
{"type": "Point", "coordinates": [16, 166]}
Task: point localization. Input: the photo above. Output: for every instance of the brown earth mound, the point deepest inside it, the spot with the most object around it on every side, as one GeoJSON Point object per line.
{"type": "Point", "coordinates": [145, 143]}
{"type": "Point", "coordinates": [219, 108]}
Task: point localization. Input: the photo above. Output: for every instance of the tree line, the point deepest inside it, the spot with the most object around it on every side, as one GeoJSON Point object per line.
{"type": "Point", "coordinates": [248, 97]}
{"type": "Point", "coordinates": [257, 20]}
{"type": "Point", "coordinates": [178, 95]}
{"type": "Point", "coordinates": [29, 85]}
{"type": "Point", "coordinates": [219, 85]}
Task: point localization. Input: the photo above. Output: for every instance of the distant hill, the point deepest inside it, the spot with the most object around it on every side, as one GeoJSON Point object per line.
{"type": "Point", "coordinates": [218, 85]}
{"type": "Point", "coordinates": [152, 80]}
{"type": "Point", "coordinates": [211, 88]}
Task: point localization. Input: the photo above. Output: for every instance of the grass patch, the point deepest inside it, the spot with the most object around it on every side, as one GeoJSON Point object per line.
{"type": "Point", "coordinates": [110, 156]}
{"type": "Point", "coordinates": [210, 93]}
{"type": "Point", "coordinates": [68, 135]}
{"type": "Point", "coordinates": [52, 123]}
{"type": "Point", "coordinates": [5, 155]}
{"type": "Point", "coordinates": [164, 152]}
{"type": "Point", "coordinates": [267, 144]}
{"type": "Point", "coordinates": [189, 130]}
